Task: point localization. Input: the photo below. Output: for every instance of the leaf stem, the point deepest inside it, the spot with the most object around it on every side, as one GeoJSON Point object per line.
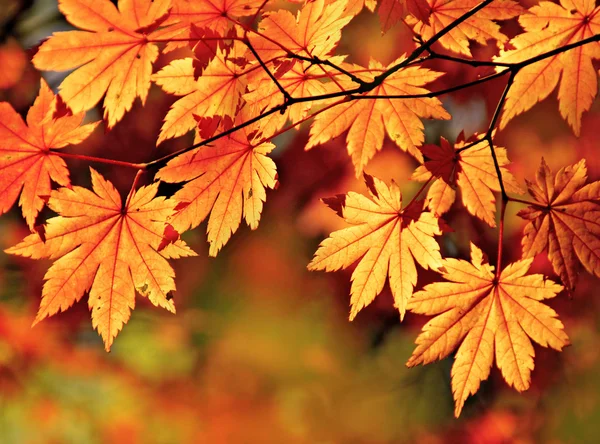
{"type": "Point", "coordinates": [414, 198]}
{"type": "Point", "coordinates": [136, 166]}
{"type": "Point", "coordinates": [488, 135]}
{"type": "Point", "coordinates": [435, 93]}
{"type": "Point", "coordinates": [500, 239]}
{"type": "Point", "coordinates": [425, 46]}
{"type": "Point", "coordinates": [286, 95]}
{"type": "Point", "coordinates": [525, 202]}
{"type": "Point", "coordinates": [133, 186]}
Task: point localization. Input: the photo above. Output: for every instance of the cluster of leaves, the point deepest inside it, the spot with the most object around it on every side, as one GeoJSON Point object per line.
{"type": "Point", "coordinates": [251, 73]}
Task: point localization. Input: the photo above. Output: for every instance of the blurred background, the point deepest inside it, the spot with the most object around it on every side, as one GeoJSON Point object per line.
{"type": "Point", "coordinates": [260, 350]}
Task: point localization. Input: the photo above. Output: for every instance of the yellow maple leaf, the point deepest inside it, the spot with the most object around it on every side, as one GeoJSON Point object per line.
{"type": "Point", "coordinates": [26, 162]}
{"type": "Point", "coordinates": [217, 92]}
{"type": "Point", "coordinates": [483, 315]}
{"type": "Point", "coordinates": [549, 26]}
{"type": "Point", "coordinates": [112, 56]}
{"type": "Point", "coordinates": [105, 248]}
{"type": "Point", "coordinates": [315, 31]}
{"type": "Point", "coordinates": [472, 170]}
{"type": "Point", "coordinates": [369, 119]}
{"type": "Point", "coordinates": [386, 238]}
{"type": "Point", "coordinates": [565, 221]}
{"type": "Point", "coordinates": [300, 81]}
{"type": "Point", "coordinates": [227, 179]}
{"type": "Point", "coordinates": [479, 28]}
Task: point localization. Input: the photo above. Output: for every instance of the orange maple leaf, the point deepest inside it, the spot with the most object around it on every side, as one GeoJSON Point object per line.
{"type": "Point", "coordinates": [354, 7]}
{"type": "Point", "coordinates": [369, 119]}
{"type": "Point", "coordinates": [549, 26]}
{"type": "Point", "coordinates": [390, 12]}
{"type": "Point", "coordinates": [315, 31]}
{"type": "Point", "coordinates": [227, 179]}
{"type": "Point", "coordinates": [26, 161]}
{"type": "Point", "coordinates": [565, 221]}
{"type": "Point", "coordinates": [301, 80]}
{"type": "Point", "coordinates": [472, 170]}
{"type": "Point", "coordinates": [479, 28]}
{"type": "Point", "coordinates": [386, 238]}
{"type": "Point", "coordinates": [486, 314]}
{"type": "Point", "coordinates": [217, 92]}
{"type": "Point", "coordinates": [105, 248]}
{"type": "Point", "coordinates": [112, 56]}
{"type": "Point", "coordinates": [216, 15]}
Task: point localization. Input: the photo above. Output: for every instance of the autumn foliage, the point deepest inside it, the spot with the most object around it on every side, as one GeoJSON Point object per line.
{"type": "Point", "coordinates": [243, 72]}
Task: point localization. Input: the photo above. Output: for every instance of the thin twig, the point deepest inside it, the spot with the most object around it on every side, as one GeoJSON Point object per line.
{"type": "Point", "coordinates": [136, 166]}
{"type": "Point", "coordinates": [434, 93]}
{"type": "Point", "coordinates": [286, 95]}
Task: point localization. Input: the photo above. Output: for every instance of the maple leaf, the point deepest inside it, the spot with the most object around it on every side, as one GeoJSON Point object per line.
{"type": "Point", "coordinates": [315, 31]}
{"type": "Point", "coordinates": [217, 92]}
{"type": "Point", "coordinates": [392, 11]}
{"type": "Point", "coordinates": [26, 162]}
{"type": "Point", "coordinates": [227, 179]}
{"type": "Point", "coordinates": [301, 80]}
{"type": "Point", "coordinates": [105, 248]}
{"type": "Point", "coordinates": [113, 56]}
{"type": "Point", "coordinates": [369, 119]}
{"type": "Point", "coordinates": [565, 221]}
{"type": "Point", "coordinates": [386, 238]}
{"type": "Point", "coordinates": [354, 7]}
{"type": "Point", "coordinates": [486, 314]}
{"type": "Point", "coordinates": [216, 15]}
{"type": "Point", "coordinates": [472, 170]}
{"type": "Point", "coordinates": [479, 28]}
{"type": "Point", "coordinates": [549, 26]}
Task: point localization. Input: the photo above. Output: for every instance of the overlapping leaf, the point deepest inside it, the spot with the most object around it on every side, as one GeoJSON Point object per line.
{"type": "Point", "coordinates": [356, 6]}
{"type": "Point", "coordinates": [26, 162]}
{"type": "Point", "coordinates": [549, 26]}
{"type": "Point", "coordinates": [387, 239]}
{"type": "Point", "coordinates": [314, 31]}
{"type": "Point", "coordinates": [479, 28]}
{"type": "Point", "coordinates": [369, 119]}
{"type": "Point", "coordinates": [217, 92]}
{"type": "Point", "coordinates": [216, 15]}
{"type": "Point", "coordinates": [113, 56]}
{"type": "Point", "coordinates": [227, 179]}
{"type": "Point", "coordinates": [392, 11]}
{"type": "Point", "coordinates": [565, 221]}
{"type": "Point", "coordinates": [485, 316]}
{"type": "Point", "coordinates": [105, 248]}
{"type": "Point", "coordinates": [472, 170]}
{"type": "Point", "coordinates": [301, 80]}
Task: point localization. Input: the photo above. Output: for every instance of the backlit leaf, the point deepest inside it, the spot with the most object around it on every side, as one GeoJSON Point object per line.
{"type": "Point", "coordinates": [385, 239]}
{"type": "Point", "coordinates": [472, 170]}
{"type": "Point", "coordinates": [217, 92]}
{"type": "Point", "coordinates": [26, 162]}
{"type": "Point", "coordinates": [565, 221]}
{"type": "Point", "coordinates": [216, 15]}
{"type": "Point", "coordinates": [369, 119]}
{"type": "Point", "coordinates": [314, 31]}
{"type": "Point", "coordinates": [112, 57]}
{"type": "Point", "coordinates": [549, 26]}
{"type": "Point", "coordinates": [483, 316]}
{"type": "Point", "coordinates": [227, 179]}
{"type": "Point", "coordinates": [105, 248]}
{"type": "Point", "coordinates": [479, 28]}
